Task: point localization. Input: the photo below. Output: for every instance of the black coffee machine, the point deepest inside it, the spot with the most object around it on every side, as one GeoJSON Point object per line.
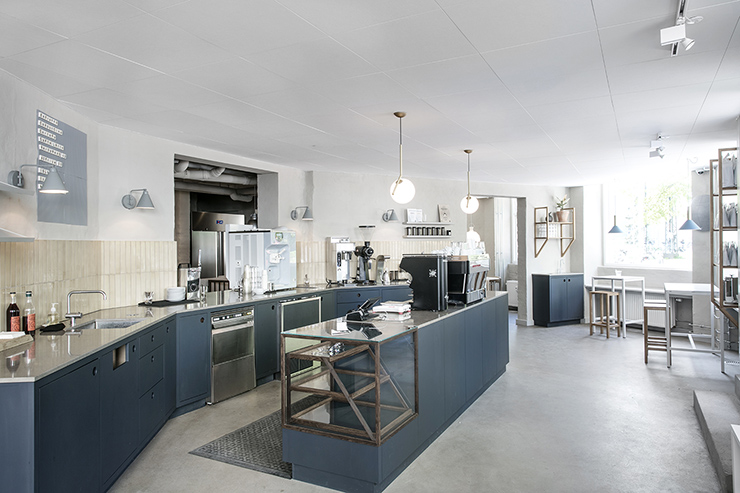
{"type": "Point", "coordinates": [428, 280]}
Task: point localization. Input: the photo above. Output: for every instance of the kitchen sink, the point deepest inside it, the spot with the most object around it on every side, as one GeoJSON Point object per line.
{"type": "Point", "coordinates": [109, 323]}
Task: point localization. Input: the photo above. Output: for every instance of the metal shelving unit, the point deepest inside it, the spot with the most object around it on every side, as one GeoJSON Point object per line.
{"type": "Point", "coordinates": [565, 231]}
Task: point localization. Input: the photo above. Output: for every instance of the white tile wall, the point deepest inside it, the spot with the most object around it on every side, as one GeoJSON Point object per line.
{"type": "Point", "coordinates": [52, 268]}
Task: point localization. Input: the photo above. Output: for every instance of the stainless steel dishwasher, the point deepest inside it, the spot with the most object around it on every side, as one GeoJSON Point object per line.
{"type": "Point", "coordinates": [232, 356]}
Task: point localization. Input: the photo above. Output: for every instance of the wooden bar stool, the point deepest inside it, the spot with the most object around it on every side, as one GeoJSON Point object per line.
{"type": "Point", "coordinates": [605, 321]}
{"type": "Point", "coordinates": [653, 343]}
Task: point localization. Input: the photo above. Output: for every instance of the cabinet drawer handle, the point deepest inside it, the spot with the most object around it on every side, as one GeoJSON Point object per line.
{"type": "Point", "coordinates": [95, 370]}
{"type": "Point", "coordinates": [152, 395]}
{"type": "Point", "coordinates": [168, 329]}
{"type": "Point", "coordinates": [359, 294]}
{"type": "Point", "coordinates": [152, 337]}
{"type": "Point", "coordinates": [133, 348]}
{"type": "Point", "coordinates": [152, 358]}
{"type": "Point", "coordinates": [202, 319]}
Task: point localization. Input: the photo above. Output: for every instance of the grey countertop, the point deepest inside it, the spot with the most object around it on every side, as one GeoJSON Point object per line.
{"type": "Point", "coordinates": [49, 353]}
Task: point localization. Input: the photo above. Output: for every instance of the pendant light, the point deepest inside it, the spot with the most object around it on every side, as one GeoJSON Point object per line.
{"type": "Point", "coordinates": [469, 204]}
{"type": "Point", "coordinates": [689, 225]}
{"type": "Point", "coordinates": [402, 190]}
{"type": "Point", "coordinates": [615, 228]}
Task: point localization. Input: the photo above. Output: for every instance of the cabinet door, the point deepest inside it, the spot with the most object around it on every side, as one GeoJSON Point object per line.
{"type": "Point", "coordinates": [396, 293]}
{"type": "Point", "coordinates": [343, 308]}
{"type": "Point", "coordinates": [473, 350]}
{"type": "Point", "coordinates": [119, 425]}
{"type": "Point", "coordinates": [193, 358]}
{"type": "Point", "coordinates": [68, 454]}
{"type": "Point", "coordinates": [558, 298]}
{"type": "Point", "coordinates": [328, 305]}
{"type": "Point", "coordinates": [170, 366]}
{"type": "Point", "coordinates": [575, 298]}
{"type": "Point", "coordinates": [454, 383]}
{"type": "Point", "coordinates": [266, 339]}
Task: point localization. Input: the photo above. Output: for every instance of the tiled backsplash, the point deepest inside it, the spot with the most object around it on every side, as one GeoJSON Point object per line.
{"type": "Point", "coordinates": [125, 269]}
{"type": "Point", "coordinates": [52, 268]}
{"type": "Point", "coordinates": [313, 259]}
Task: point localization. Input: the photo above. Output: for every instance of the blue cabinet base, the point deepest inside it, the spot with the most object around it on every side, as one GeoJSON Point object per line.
{"type": "Point", "coordinates": [481, 333]}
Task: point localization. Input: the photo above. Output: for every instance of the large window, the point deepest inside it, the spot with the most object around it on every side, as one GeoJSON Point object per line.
{"type": "Point", "coordinates": [650, 214]}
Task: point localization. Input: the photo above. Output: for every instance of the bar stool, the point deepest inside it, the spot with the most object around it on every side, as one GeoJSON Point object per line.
{"type": "Point", "coordinates": [604, 299]}
{"type": "Point", "coordinates": [653, 343]}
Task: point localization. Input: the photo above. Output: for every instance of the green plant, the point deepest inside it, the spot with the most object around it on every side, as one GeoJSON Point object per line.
{"type": "Point", "coordinates": [560, 203]}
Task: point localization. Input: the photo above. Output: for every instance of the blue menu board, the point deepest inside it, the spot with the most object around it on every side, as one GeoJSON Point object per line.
{"type": "Point", "coordinates": [65, 148]}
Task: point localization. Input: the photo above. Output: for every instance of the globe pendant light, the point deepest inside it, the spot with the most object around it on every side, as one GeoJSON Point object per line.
{"type": "Point", "coordinates": [469, 204]}
{"type": "Point", "coordinates": [402, 190]}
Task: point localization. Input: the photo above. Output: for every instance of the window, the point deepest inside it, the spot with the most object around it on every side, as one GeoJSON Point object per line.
{"type": "Point", "coordinates": [650, 215]}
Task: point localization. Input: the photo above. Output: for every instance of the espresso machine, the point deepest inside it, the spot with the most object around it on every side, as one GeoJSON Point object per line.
{"type": "Point", "coordinates": [339, 255]}
{"type": "Point", "coordinates": [428, 280]}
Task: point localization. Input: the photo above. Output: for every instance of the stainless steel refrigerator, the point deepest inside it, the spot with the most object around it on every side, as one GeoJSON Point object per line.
{"type": "Point", "coordinates": [207, 235]}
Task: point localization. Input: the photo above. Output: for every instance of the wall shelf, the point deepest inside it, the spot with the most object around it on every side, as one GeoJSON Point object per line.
{"type": "Point", "coordinates": [545, 230]}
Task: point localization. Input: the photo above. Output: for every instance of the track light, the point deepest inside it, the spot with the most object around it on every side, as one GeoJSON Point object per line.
{"type": "Point", "coordinates": [659, 152]}
{"type": "Point", "coordinates": [307, 214]}
{"type": "Point", "coordinates": [687, 43]}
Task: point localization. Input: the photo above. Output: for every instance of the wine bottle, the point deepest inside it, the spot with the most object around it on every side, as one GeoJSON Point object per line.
{"type": "Point", "coordinates": [29, 315]}
{"type": "Point", "coordinates": [13, 315]}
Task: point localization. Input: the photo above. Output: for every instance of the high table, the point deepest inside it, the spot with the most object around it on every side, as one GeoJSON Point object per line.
{"type": "Point", "coordinates": [680, 289]}
{"type": "Point", "coordinates": [623, 280]}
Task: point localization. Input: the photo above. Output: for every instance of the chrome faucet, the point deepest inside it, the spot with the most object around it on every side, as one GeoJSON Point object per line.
{"type": "Point", "coordinates": [74, 315]}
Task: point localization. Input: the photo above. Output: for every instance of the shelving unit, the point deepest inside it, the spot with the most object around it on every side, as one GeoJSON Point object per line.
{"type": "Point", "coordinates": [722, 234]}
{"type": "Point", "coordinates": [427, 237]}
{"type": "Point", "coordinates": [724, 231]}
{"type": "Point", "coordinates": [545, 230]}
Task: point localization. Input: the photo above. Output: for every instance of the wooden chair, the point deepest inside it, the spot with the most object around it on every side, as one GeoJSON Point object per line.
{"type": "Point", "coordinates": [218, 284]}
{"type": "Point", "coordinates": [653, 343]}
{"type": "Point", "coordinates": [606, 320]}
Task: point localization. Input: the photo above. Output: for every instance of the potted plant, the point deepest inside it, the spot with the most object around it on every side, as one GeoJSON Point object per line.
{"type": "Point", "coordinates": [561, 215]}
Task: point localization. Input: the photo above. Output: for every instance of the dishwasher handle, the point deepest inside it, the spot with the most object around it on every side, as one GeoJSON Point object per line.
{"type": "Point", "coordinates": [218, 328]}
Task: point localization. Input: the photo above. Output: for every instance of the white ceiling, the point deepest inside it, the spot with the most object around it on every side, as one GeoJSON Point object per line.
{"type": "Point", "coordinates": [567, 92]}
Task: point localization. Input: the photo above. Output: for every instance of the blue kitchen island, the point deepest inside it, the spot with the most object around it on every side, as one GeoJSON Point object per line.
{"type": "Point", "coordinates": [399, 390]}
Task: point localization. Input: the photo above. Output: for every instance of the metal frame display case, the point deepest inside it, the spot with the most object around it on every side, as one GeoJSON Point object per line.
{"type": "Point", "coordinates": [362, 382]}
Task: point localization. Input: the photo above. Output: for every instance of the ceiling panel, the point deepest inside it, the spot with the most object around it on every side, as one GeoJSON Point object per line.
{"type": "Point", "coordinates": [409, 41]}
{"type": "Point", "coordinates": [567, 111]}
{"type": "Point", "coordinates": [689, 95]}
{"type": "Point", "coordinates": [495, 25]}
{"type": "Point", "coordinates": [636, 42]}
{"type": "Point", "coordinates": [456, 75]}
{"type": "Point", "coordinates": [611, 13]}
{"type": "Point", "coordinates": [113, 102]}
{"type": "Point", "coordinates": [50, 82]}
{"type": "Point", "coordinates": [154, 43]}
{"type": "Point", "coordinates": [294, 103]}
{"type": "Point", "coordinates": [69, 17]}
{"type": "Point", "coordinates": [363, 90]}
{"type": "Point", "coordinates": [334, 17]}
{"type": "Point", "coordinates": [315, 61]}
{"type": "Point", "coordinates": [17, 36]}
{"type": "Point", "coordinates": [84, 63]}
{"type": "Point", "coordinates": [168, 92]}
{"type": "Point", "coordinates": [241, 27]}
{"type": "Point", "coordinates": [574, 86]}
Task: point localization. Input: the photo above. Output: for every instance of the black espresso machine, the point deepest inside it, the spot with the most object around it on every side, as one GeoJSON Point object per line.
{"type": "Point", "coordinates": [467, 278]}
{"type": "Point", "coordinates": [428, 280]}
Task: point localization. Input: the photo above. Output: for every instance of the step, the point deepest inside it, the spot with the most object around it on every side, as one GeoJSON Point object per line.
{"type": "Point", "coordinates": [716, 411]}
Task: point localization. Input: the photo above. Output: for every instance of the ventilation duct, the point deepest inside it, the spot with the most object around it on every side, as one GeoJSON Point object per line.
{"type": "Point", "coordinates": [209, 176]}
{"type": "Point", "coordinates": [181, 166]}
{"type": "Point", "coordinates": [214, 190]}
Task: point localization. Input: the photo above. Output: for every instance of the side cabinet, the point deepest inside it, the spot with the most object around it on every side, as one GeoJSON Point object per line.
{"type": "Point", "coordinates": [557, 299]}
{"type": "Point", "coordinates": [68, 431]}
{"type": "Point", "coordinates": [151, 389]}
{"type": "Point", "coordinates": [328, 305]}
{"type": "Point", "coordinates": [266, 340]}
{"type": "Point", "coordinates": [193, 358]}
{"type": "Point", "coordinates": [119, 414]}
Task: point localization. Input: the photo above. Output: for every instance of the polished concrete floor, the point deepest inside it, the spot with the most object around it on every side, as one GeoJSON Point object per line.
{"type": "Point", "coordinates": [572, 413]}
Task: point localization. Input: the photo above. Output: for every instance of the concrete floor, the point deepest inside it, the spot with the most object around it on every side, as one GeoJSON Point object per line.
{"type": "Point", "coordinates": [572, 413]}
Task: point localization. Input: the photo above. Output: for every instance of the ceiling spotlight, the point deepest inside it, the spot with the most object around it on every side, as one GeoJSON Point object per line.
{"type": "Point", "coordinates": [659, 152]}
{"type": "Point", "coordinates": [687, 43]}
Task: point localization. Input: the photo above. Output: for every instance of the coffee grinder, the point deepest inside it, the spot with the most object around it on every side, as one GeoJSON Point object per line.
{"type": "Point", "coordinates": [364, 255]}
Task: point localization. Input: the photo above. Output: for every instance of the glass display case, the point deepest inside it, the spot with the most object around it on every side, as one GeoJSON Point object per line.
{"type": "Point", "coordinates": [355, 381]}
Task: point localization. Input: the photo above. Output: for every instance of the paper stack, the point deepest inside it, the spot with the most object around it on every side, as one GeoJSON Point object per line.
{"type": "Point", "coordinates": [394, 310]}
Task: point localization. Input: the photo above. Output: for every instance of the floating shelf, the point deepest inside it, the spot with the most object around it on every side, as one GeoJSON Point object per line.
{"type": "Point", "coordinates": [561, 230]}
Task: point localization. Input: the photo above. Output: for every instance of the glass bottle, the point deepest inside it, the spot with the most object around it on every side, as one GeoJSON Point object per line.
{"type": "Point", "coordinates": [13, 315]}
{"type": "Point", "coordinates": [29, 315]}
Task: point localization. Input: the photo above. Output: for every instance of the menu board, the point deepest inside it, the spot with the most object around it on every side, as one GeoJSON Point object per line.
{"type": "Point", "coordinates": [64, 147]}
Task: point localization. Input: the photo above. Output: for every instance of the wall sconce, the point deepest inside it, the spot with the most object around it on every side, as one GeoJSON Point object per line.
{"type": "Point", "coordinates": [144, 202]}
{"type": "Point", "coordinates": [52, 184]}
{"type": "Point", "coordinates": [307, 215]}
{"type": "Point", "coordinates": [689, 225]}
{"type": "Point", "coordinates": [390, 215]}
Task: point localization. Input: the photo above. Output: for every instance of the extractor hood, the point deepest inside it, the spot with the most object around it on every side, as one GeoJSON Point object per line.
{"type": "Point", "coordinates": [6, 235]}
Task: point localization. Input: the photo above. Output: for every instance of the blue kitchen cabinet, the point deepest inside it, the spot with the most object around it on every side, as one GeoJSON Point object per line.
{"type": "Point", "coordinates": [119, 427]}
{"type": "Point", "coordinates": [266, 341]}
{"type": "Point", "coordinates": [193, 358]}
{"type": "Point", "coordinates": [68, 431]}
{"type": "Point", "coordinates": [328, 305]}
